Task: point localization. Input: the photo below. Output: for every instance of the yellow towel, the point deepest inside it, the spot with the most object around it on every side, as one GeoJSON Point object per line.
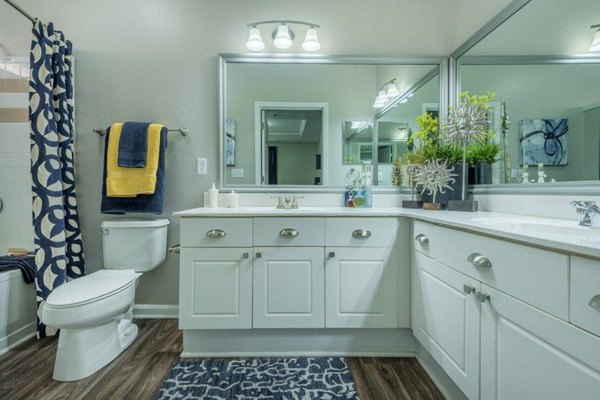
{"type": "Point", "coordinates": [130, 182]}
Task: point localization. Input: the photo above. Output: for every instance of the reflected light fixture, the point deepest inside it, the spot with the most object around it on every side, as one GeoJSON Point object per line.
{"type": "Point", "coordinates": [596, 42]}
{"type": "Point", "coordinates": [283, 36]}
{"type": "Point", "coordinates": [387, 91]}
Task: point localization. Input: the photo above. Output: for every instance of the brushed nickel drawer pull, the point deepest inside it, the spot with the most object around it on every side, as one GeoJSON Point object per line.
{"type": "Point", "coordinates": [595, 302]}
{"type": "Point", "coordinates": [422, 238]}
{"type": "Point", "coordinates": [175, 249]}
{"type": "Point", "coordinates": [289, 232]}
{"type": "Point", "coordinates": [479, 260]}
{"type": "Point", "coordinates": [361, 234]}
{"type": "Point", "coordinates": [482, 297]}
{"type": "Point", "coordinates": [215, 233]}
{"type": "Point", "coordinates": [468, 289]}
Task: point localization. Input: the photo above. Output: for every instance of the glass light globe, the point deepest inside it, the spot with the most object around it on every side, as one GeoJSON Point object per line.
{"type": "Point", "coordinates": [255, 42]}
{"type": "Point", "coordinates": [311, 42]}
{"type": "Point", "coordinates": [283, 40]}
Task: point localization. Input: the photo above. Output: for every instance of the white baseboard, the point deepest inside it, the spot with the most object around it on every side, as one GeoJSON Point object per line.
{"type": "Point", "coordinates": [443, 382]}
{"type": "Point", "coordinates": [16, 338]}
{"type": "Point", "coordinates": [156, 311]}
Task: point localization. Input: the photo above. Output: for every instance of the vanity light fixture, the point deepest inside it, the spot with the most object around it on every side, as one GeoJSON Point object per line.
{"type": "Point", "coordinates": [255, 42]}
{"type": "Point", "coordinates": [283, 36]}
{"type": "Point", "coordinates": [596, 43]}
{"type": "Point", "coordinates": [387, 91]}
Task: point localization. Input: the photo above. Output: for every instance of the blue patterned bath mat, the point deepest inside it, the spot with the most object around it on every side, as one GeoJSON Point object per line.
{"type": "Point", "coordinates": [270, 378]}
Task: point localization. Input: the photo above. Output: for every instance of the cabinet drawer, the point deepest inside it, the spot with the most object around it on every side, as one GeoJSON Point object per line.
{"type": "Point", "coordinates": [585, 286]}
{"type": "Point", "coordinates": [368, 232]}
{"type": "Point", "coordinates": [535, 276]}
{"type": "Point", "coordinates": [216, 232]}
{"type": "Point", "coordinates": [289, 231]}
{"type": "Point", "coordinates": [423, 237]}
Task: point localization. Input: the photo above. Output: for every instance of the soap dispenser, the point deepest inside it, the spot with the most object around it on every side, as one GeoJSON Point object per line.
{"type": "Point", "coordinates": [213, 197]}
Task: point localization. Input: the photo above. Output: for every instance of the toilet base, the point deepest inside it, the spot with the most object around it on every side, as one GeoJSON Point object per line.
{"type": "Point", "coordinates": [83, 351]}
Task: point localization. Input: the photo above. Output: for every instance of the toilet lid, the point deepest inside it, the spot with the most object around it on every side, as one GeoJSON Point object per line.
{"type": "Point", "coordinates": [91, 287]}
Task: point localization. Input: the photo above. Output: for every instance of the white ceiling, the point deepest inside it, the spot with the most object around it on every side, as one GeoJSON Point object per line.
{"type": "Point", "coordinates": [544, 27]}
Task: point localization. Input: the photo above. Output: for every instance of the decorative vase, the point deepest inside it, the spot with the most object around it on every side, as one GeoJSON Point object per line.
{"type": "Point", "coordinates": [483, 173]}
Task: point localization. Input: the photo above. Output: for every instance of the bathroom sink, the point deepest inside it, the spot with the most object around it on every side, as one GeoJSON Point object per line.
{"type": "Point", "coordinates": [557, 229]}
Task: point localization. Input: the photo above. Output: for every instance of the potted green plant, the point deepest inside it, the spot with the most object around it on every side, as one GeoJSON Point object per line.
{"type": "Point", "coordinates": [480, 157]}
{"type": "Point", "coordinates": [430, 143]}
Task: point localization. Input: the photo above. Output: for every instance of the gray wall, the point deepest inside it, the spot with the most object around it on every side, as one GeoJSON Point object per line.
{"type": "Point", "coordinates": [157, 60]}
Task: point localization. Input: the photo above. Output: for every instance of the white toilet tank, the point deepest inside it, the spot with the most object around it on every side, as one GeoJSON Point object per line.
{"type": "Point", "coordinates": [135, 244]}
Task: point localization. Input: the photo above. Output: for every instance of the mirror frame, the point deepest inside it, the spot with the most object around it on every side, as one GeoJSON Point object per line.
{"type": "Point", "coordinates": [458, 58]}
{"type": "Point", "coordinates": [442, 70]}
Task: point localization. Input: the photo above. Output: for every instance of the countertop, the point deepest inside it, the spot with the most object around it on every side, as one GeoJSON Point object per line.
{"type": "Point", "coordinates": [550, 233]}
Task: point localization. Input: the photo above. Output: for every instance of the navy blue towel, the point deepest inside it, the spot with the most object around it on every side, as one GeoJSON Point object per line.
{"type": "Point", "coordinates": [133, 145]}
{"type": "Point", "coordinates": [25, 263]}
{"type": "Point", "coordinates": [143, 203]}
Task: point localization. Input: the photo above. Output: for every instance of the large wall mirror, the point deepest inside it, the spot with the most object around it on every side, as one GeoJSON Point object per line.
{"type": "Point", "coordinates": [546, 80]}
{"type": "Point", "coordinates": [304, 122]}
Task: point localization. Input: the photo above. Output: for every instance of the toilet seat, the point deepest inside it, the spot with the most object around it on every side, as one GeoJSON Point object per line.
{"type": "Point", "coordinates": [91, 288]}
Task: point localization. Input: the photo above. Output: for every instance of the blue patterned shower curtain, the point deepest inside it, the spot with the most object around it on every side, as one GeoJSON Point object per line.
{"type": "Point", "coordinates": [57, 236]}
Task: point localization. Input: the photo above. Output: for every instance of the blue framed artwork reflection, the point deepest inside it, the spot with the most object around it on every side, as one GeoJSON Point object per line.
{"type": "Point", "coordinates": [544, 141]}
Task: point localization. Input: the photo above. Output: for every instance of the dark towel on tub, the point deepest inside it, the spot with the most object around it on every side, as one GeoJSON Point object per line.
{"type": "Point", "coordinates": [143, 203]}
{"type": "Point", "coordinates": [133, 145]}
{"type": "Point", "coordinates": [24, 263]}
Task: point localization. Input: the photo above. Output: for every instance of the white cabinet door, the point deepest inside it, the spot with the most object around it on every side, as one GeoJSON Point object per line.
{"type": "Point", "coordinates": [445, 318]}
{"type": "Point", "coordinates": [289, 287]}
{"type": "Point", "coordinates": [215, 290]}
{"type": "Point", "coordinates": [361, 287]}
{"type": "Point", "coordinates": [528, 354]}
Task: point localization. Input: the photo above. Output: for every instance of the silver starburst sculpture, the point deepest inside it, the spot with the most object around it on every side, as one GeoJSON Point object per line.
{"type": "Point", "coordinates": [434, 177]}
{"type": "Point", "coordinates": [411, 171]}
{"type": "Point", "coordinates": [467, 122]}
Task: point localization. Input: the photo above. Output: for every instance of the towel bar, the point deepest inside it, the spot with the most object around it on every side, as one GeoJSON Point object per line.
{"type": "Point", "coordinates": [183, 131]}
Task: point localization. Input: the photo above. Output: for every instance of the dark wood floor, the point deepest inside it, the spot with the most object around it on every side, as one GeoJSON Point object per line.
{"type": "Point", "coordinates": [26, 372]}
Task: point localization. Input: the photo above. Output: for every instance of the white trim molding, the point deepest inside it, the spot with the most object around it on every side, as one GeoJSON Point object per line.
{"type": "Point", "coordinates": [17, 337]}
{"type": "Point", "coordinates": [156, 311]}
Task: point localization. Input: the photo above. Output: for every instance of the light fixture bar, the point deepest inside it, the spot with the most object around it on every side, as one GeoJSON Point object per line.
{"type": "Point", "coordinates": [387, 83]}
{"type": "Point", "coordinates": [283, 21]}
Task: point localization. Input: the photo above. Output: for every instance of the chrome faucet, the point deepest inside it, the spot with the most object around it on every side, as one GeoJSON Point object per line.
{"type": "Point", "coordinates": [588, 208]}
{"type": "Point", "coordinates": [289, 202]}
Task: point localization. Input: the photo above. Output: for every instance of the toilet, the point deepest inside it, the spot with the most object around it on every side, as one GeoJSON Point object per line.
{"type": "Point", "coordinates": [94, 313]}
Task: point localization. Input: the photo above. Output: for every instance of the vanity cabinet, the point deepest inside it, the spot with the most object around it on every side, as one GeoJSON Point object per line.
{"type": "Point", "coordinates": [494, 338]}
{"type": "Point", "coordinates": [291, 272]}
{"type": "Point", "coordinates": [215, 289]}
{"type": "Point", "coordinates": [289, 287]}
{"type": "Point", "coordinates": [529, 354]}
{"type": "Point", "coordinates": [446, 320]}
{"type": "Point", "coordinates": [361, 287]}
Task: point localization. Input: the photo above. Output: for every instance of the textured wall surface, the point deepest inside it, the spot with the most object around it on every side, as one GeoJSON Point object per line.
{"type": "Point", "coordinates": [157, 60]}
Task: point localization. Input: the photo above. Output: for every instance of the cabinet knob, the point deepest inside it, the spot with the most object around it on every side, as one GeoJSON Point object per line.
{"type": "Point", "coordinates": [289, 232]}
{"type": "Point", "coordinates": [215, 233]}
{"type": "Point", "coordinates": [422, 238]}
{"type": "Point", "coordinates": [468, 289]}
{"type": "Point", "coordinates": [361, 234]}
{"type": "Point", "coordinates": [331, 254]}
{"type": "Point", "coordinates": [479, 260]}
{"type": "Point", "coordinates": [482, 297]}
{"type": "Point", "coordinates": [595, 302]}
{"type": "Point", "coordinates": [245, 255]}
{"type": "Point", "coordinates": [258, 254]}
